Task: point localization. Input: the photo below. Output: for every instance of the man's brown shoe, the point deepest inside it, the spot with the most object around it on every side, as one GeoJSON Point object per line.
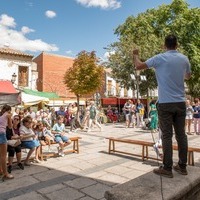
{"type": "Point", "coordinates": [162, 172]}
{"type": "Point", "coordinates": [180, 170]}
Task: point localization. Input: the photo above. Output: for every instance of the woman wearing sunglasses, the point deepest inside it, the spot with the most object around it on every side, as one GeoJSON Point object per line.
{"type": "Point", "coordinates": [13, 134]}
{"type": "Point", "coordinates": [28, 139]}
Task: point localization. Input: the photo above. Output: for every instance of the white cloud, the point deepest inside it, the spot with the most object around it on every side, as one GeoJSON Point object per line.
{"type": "Point", "coordinates": [104, 4]}
{"type": "Point", "coordinates": [26, 30]}
{"type": "Point", "coordinates": [50, 14]}
{"type": "Point", "coordinates": [6, 20]}
{"type": "Point", "coordinates": [17, 40]}
{"type": "Point", "coordinates": [69, 52]}
{"type": "Point", "coordinates": [107, 54]}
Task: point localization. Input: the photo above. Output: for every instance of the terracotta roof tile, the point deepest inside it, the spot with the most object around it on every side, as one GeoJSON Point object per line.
{"type": "Point", "coordinates": [14, 52]}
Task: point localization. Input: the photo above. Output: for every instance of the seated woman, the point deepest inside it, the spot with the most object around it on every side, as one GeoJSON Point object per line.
{"type": "Point", "coordinates": [109, 113]}
{"type": "Point", "coordinates": [28, 139]}
{"type": "Point", "coordinates": [13, 134]}
{"type": "Point", "coordinates": [44, 135]}
{"type": "Point", "coordinates": [60, 136]}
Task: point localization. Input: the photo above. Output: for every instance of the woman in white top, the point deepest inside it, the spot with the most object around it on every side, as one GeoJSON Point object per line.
{"type": "Point", "coordinates": [29, 140]}
{"type": "Point", "coordinates": [189, 117]}
{"type": "Point", "coordinates": [5, 120]}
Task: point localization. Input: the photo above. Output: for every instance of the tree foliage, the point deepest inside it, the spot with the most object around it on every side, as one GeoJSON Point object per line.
{"type": "Point", "coordinates": [147, 32]}
{"type": "Point", "coordinates": [85, 76]}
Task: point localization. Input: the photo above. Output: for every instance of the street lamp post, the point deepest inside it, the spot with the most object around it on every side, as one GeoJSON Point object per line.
{"type": "Point", "coordinates": [137, 77]}
{"type": "Point", "coordinates": [119, 95]}
{"type": "Point", "coordinates": [97, 98]}
{"type": "Point", "coordinates": [13, 79]}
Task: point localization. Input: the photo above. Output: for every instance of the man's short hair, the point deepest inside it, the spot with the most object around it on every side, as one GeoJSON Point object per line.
{"type": "Point", "coordinates": [171, 41]}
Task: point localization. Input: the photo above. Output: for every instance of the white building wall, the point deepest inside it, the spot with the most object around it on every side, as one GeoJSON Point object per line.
{"type": "Point", "coordinates": [114, 89]}
{"type": "Point", "coordinates": [9, 67]}
{"type": "Point", "coordinates": [131, 93]}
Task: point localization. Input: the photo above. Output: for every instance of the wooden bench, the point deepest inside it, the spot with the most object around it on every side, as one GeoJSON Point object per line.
{"type": "Point", "coordinates": [191, 151]}
{"type": "Point", "coordinates": [75, 148]}
{"type": "Point", "coordinates": [144, 144]}
{"type": "Point", "coordinates": [145, 151]}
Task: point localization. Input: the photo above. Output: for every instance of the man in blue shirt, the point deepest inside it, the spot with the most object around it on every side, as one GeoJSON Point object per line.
{"type": "Point", "coordinates": [171, 68]}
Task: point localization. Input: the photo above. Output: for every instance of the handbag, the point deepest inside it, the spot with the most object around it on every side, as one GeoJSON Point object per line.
{"type": "Point", "coordinates": [14, 143]}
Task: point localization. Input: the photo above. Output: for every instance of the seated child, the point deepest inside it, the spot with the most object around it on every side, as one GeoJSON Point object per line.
{"type": "Point", "coordinates": [60, 136]}
{"type": "Point", "coordinates": [44, 135]}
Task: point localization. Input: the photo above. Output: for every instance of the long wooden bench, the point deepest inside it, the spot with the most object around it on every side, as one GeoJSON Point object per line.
{"type": "Point", "coordinates": [145, 151]}
{"type": "Point", "coordinates": [191, 151]}
{"type": "Point", "coordinates": [144, 144]}
{"type": "Point", "coordinates": [75, 148]}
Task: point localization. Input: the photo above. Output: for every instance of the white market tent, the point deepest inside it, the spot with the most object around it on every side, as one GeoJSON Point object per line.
{"type": "Point", "coordinates": [29, 100]}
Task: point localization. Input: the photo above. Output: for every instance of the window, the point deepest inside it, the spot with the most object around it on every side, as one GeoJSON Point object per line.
{"type": "Point", "coordinates": [23, 76]}
{"type": "Point", "coordinates": [110, 88]}
{"type": "Point", "coordinates": [125, 92]}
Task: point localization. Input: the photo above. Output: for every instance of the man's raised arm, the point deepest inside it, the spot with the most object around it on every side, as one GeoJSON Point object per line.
{"type": "Point", "coordinates": [138, 63]}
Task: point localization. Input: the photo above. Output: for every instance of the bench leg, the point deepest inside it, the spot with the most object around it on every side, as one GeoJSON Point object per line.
{"type": "Point", "coordinates": [74, 146]}
{"type": "Point", "coordinates": [77, 146]}
{"type": "Point", "coordinates": [109, 146]}
{"type": "Point", "coordinates": [147, 152]}
{"type": "Point", "coordinates": [113, 143]}
{"type": "Point", "coordinates": [143, 147]}
{"type": "Point", "coordinates": [191, 158]}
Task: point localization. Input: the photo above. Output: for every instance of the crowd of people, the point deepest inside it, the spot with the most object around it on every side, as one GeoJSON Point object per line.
{"type": "Point", "coordinates": [30, 129]}
{"type": "Point", "coordinates": [25, 128]}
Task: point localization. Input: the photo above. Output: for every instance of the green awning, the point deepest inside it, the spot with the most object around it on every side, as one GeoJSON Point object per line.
{"type": "Point", "coordinates": [50, 95]}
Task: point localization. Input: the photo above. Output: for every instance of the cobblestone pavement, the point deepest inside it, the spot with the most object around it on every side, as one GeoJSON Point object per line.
{"type": "Point", "coordinates": [87, 175]}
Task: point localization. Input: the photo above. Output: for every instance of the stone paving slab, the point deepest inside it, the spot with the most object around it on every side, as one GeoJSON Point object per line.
{"type": "Point", "coordinates": [86, 198]}
{"type": "Point", "coordinates": [29, 196]}
{"type": "Point", "coordinates": [151, 186]}
{"type": "Point", "coordinates": [80, 183]}
{"type": "Point", "coordinates": [87, 175]}
{"type": "Point", "coordinates": [65, 194]}
{"type": "Point", "coordinates": [96, 191]}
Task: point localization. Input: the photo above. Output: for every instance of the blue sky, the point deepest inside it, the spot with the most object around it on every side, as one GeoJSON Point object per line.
{"type": "Point", "coordinates": [66, 27]}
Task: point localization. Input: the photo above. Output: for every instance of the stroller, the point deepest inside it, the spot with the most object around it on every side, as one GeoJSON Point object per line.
{"type": "Point", "coordinates": [147, 124]}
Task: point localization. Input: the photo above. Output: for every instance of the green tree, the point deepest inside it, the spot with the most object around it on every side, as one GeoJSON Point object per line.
{"type": "Point", "coordinates": [147, 32]}
{"type": "Point", "coordinates": [85, 76]}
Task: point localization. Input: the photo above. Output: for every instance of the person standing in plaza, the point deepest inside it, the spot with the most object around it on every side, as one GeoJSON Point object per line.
{"type": "Point", "coordinates": [154, 116]}
{"type": "Point", "coordinates": [171, 68]}
{"type": "Point", "coordinates": [93, 117]}
{"type": "Point", "coordinates": [196, 116]}
{"type": "Point", "coordinates": [127, 110]}
{"type": "Point", "coordinates": [139, 113]}
{"type": "Point", "coordinates": [5, 121]}
{"type": "Point", "coordinates": [86, 117]}
{"type": "Point", "coordinates": [189, 117]}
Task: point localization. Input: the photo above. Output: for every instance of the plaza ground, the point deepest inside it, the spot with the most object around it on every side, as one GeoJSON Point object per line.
{"type": "Point", "coordinates": [87, 175]}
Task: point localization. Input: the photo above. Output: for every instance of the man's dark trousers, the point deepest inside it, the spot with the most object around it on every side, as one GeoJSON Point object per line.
{"type": "Point", "coordinates": [173, 115]}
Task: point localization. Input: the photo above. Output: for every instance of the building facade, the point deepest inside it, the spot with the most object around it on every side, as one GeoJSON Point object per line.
{"type": "Point", "coordinates": [51, 71]}
{"type": "Point", "coordinates": [14, 63]}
